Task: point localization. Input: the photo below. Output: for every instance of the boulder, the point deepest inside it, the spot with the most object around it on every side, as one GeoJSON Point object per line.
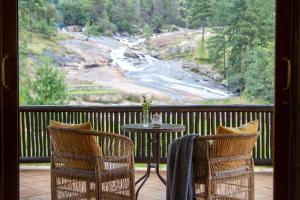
{"type": "Point", "coordinates": [155, 54]}
{"type": "Point", "coordinates": [87, 66]}
{"type": "Point", "coordinates": [130, 54]}
{"type": "Point", "coordinates": [204, 70]}
{"type": "Point", "coordinates": [125, 34]}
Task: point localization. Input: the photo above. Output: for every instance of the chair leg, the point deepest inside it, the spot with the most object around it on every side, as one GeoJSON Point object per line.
{"type": "Point", "coordinates": [88, 190]}
{"type": "Point", "coordinates": [98, 190]}
{"type": "Point", "coordinates": [53, 187]}
{"type": "Point", "coordinates": [208, 190]}
{"type": "Point", "coordinates": [251, 186]}
{"type": "Point", "coordinates": [214, 188]}
{"type": "Point", "coordinates": [132, 187]}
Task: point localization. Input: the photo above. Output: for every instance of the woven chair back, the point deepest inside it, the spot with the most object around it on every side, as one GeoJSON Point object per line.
{"type": "Point", "coordinates": [77, 142]}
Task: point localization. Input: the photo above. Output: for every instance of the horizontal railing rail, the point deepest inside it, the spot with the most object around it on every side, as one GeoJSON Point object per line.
{"type": "Point", "coordinates": [199, 119]}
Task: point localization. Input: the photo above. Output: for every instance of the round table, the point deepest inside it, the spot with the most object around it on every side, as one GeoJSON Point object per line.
{"type": "Point", "coordinates": [155, 141]}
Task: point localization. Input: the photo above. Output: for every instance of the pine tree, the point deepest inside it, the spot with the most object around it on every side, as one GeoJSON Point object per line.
{"type": "Point", "coordinates": [259, 76]}
{"type": "Point", "coordinates": [199, 13]}
{"type": "Point", "coordinates": [184, 6]}
{"type": "Point", "coordinates": [122, 13]}
{"type": "Point", "coordinates": [147, 34]}
{"type": "Point", "coordinates": [217, 50]}
{"type": "Point", "coordinates": [221, 10]}
{"type": "Point", "coordinates": [250, 25]}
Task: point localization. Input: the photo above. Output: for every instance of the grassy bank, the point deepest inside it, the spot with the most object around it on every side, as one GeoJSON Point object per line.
{"type": "Point", "coordinates": [233, 100]}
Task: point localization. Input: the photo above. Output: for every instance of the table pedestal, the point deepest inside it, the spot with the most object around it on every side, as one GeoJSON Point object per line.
{"type": "Point", "coordinates": [155, 141]}
{"type": "Point", "coordinates": [153, 138]}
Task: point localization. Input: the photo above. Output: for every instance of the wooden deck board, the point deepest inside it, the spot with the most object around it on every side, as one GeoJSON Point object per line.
{"type": "Point", "coordinates": [35, 185]}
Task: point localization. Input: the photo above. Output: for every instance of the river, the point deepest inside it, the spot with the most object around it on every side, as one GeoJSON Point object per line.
{"type": "Point", "coordinates": [143, 73]}
{"type": "Point", "coordinates": [167, 76]}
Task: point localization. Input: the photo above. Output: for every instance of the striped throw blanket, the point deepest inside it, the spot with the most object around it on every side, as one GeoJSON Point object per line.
{"type": "Point", "coordinates": [180, 176]}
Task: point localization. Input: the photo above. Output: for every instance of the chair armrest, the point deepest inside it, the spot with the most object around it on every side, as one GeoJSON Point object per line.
{"type": "Point", "coordinates": [114, 145]}
{"type": "Point", "coordinates": [227, 136]}
{"type": "Point", "coordinates": [108, 163]}
{"type": "Point", "coordinates": [65, 161]}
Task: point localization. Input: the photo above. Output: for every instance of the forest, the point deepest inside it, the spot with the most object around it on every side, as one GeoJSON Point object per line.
{"type": "Point", "coordinates": [237, 38]}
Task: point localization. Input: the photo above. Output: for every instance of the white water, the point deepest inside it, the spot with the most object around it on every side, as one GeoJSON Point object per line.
{"type": "Point", "coordinates": [167, 76]}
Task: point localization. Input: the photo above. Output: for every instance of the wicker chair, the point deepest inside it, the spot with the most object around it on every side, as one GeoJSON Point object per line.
{"type": "Point", "coordinates": [223, 166]}
{"type": "Point", "coordinates": [80, 169]}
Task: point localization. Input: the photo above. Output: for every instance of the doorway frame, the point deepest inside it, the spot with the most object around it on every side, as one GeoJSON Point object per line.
{"type": "Point", "coordinates": [9, 103]}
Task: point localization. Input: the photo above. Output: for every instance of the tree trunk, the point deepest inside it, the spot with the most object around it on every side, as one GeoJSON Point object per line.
{"type": "Point", "coordinates": [224, 57]}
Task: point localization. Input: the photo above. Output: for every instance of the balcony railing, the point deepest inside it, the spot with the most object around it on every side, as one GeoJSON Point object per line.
{"type": "Point", "coordinates": [200, 119]}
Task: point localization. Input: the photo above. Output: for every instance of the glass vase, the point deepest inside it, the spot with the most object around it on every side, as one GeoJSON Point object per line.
{"type": "Point", "coordinates": [145, 117]}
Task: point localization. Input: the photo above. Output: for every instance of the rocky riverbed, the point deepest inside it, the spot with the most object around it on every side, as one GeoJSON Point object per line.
{"type": "Point", "coordinates": [122, 64]}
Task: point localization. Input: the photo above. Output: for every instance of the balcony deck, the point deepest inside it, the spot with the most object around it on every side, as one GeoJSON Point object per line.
{"type": "Point", "coordinates": [199, 119]}
{"type": "Point", "coordinates": [35, 185]}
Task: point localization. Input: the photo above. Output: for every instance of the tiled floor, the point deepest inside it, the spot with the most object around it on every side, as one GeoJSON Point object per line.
{"type": "Point", "coordinates": [35, 185]}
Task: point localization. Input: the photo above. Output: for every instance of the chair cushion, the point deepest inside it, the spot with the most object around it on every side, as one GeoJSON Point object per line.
{"type": "Point", "coordinates": [85, 126]}
{"type": "Point", "coordinates": [250, 127]}
{"type": "Point", "coordinates": [229, 146]}
{"type": "Point", "coordinates": [76, 143]}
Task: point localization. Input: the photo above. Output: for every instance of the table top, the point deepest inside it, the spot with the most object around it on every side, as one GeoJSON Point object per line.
{"type": "Point", "coordinates": [162, 128]}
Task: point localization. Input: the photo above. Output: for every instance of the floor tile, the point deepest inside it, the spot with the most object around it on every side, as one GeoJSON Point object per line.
{"type": "Point", "coordinates": [35, 185]}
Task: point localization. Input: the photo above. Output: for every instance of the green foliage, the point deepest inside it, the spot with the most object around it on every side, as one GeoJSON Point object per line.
{"type": "Point", "coordinates": [240, 47]}
{"type": "Point", "coordinates": [184, 7]}
{"type": "Point", "coordinates": [201, 53]}
{"type": "Point", "coordinates": [157, 13]}
{"type": "Point", "coordinates": [248, 28]}
{"type": "Point", "coordinates": [171, 28]}
{"type": "Point", "coordinates": [37, 16]}
{"type": "Point", "coordinates": [217, 51]}
{"type": "Point", "coordinates": [196, 13]}
{"type": "Point", "coordinates": [234, 100]}
{"type": "Point", "coordinates": [199, 12]}
{"type": "Point", "coordinates": [24, 94]}
{"type": "Point", "coordinates": [24, 81]}
{"type": "Point", "coordinates": [75, 12]}
{"type": "Point", "coordinates": [92, 30]}
{"type": "Point", "coordinates": [259, 77]}
{"type": "Point", "coordinates": [89, 13]}
{"type": "Point", "coordinates": [122, 14]}
{"type": "Point", "coordinates": [48, 87]}
{"type": "Point", "coordinates": [221, 11]}
{"type": "Point", "coordinates": [146, 102]}
{"type": "Point", "coordinates": [147, 30]}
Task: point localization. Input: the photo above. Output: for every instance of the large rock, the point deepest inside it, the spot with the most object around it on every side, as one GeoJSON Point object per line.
{"type": "Point", "coordinates": [130, 54]}
{"type": "Point", "coordinates": [204, 70]}
{"type": "Point", "coordinates": [91, 65]}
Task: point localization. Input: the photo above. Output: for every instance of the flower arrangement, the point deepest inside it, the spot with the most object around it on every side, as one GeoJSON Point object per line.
{"type": "Point", "coordinates": [146, 103]}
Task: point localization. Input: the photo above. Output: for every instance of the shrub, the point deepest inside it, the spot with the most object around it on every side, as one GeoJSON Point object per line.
{"type": "Point", "coordinates": [49, 85]}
